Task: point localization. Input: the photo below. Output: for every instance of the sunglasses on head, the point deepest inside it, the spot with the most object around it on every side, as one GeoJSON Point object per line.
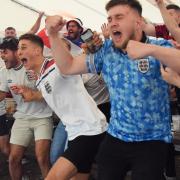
{"type": "Point", "coordinates": [9, 43]}
{"type": "Point", "coordinates": [10, 39]}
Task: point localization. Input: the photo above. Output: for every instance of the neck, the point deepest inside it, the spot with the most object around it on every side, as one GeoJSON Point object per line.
{"type": "Point", "coordinates": [137, 37]}
{"type": "Point", "coordinates": [39, 61]}
{"type": "Point", "coordinates": [19, 63]}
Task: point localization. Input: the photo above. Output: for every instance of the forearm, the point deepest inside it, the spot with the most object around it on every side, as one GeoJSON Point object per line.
{"type": "Point", "coordinates": [170, 22]}
{"type": "Point", "coordinates": [168, 56]}
{"type": "Point", "coordinates": [60, 53]}
{"type": "Point", "coordinates": [149, 29]}
{"type": "Point", "coordinates": [36, 26]}
{"type": "Point", "coordinates": [67, 64]}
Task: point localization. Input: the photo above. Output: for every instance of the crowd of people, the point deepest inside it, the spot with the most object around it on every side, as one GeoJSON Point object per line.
{"type": "Point", "coordinates": [113, 103]}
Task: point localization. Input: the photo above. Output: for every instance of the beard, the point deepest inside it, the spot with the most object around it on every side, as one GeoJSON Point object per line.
{"type": "Point", "coordinates": [74, 36]}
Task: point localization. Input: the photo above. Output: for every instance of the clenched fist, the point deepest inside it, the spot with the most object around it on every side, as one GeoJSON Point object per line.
{"type": "Point", "coordinates": [160, 2]}
{"type": "Point", "coordinates": [137, 49]}
{"type": "Point", "coordinates": [54, 24]}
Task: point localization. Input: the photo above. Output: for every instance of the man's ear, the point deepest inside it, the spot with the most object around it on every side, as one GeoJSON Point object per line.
{"type": "Point", "coordinates": [37, 51]}
{"type": "Point", "coordinates": [139, 23]}
{"type": "Point", "coordinates": [16, 54]}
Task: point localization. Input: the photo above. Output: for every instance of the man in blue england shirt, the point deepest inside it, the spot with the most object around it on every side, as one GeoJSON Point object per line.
{"type": "Point", "coordinates": [139, 128]}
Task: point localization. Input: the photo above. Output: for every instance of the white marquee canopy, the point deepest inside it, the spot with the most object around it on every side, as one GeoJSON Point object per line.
{"type": "Point", "coordinates": [91, 12]}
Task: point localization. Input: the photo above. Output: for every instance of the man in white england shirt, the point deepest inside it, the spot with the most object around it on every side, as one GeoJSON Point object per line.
{"type": "Point", "coordinates": [68, 98]}
{"type": "Point", "coordinates": [32, 119]}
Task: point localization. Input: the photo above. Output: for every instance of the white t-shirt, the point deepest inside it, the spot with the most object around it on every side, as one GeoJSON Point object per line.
{"type": "Point", "coordinates": [25, 110]}
{"type": "Point", "coordinates": [2, 103]}
{"type": "Point", "coordinates": [2, 64]}
{"type": "Point", "coordinates": [68, 98]}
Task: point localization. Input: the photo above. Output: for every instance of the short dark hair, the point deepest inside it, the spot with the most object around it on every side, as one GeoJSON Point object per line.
{"type": "Point", "coordinates": [10, 28]}
{"type": "Point", "coordinates": [33, 38]}
{"type": "Point", "coordinates": [134, 4]}
{"type": "Point", "coordinates": [10, 43]}
{"type": "Point", "coordinates": [173, 6]}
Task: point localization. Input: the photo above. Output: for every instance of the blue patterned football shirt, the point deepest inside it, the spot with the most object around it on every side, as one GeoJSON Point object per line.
{"type": "Point", "coordinates": [139, 96]}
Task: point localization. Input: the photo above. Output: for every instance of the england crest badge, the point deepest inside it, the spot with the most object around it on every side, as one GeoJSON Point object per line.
{"type": "Point", "coordinates": [48, 87]}
{"type": "Point", "coordinates": [143, 65]}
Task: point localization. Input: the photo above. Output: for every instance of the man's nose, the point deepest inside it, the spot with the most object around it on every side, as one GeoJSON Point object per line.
{"type": "Point", "coordinates": [19, 52]}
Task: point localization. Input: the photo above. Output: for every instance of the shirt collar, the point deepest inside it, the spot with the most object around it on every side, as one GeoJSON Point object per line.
{"type": "Point", "coordinates": [19, 67]}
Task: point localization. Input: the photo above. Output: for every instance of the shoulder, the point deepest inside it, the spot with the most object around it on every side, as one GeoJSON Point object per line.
{"type": "Point", "coordinates": [160, 42]}
{"type": "Point", "coordinates": [3, 70]}
{"type": "Point", "coordinates": [50, 63]}
{"type": "Point", "coordinates": [48, 66]}
{"type": "Point", "coordinates": [106, 48]}
{"type": "Point", "coordinates": [107, 43]}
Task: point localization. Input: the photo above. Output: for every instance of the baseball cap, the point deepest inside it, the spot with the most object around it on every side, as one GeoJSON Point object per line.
{"type": "Point", "coordinates": [10, 43]}
{"type": "Point", "coordinates": [77, 20]}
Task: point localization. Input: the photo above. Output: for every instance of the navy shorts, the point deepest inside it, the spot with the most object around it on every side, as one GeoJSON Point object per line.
{"type": "Point", "coordinates": [3, 126]}
{"type": "Point", "coordinates": [82, 151]}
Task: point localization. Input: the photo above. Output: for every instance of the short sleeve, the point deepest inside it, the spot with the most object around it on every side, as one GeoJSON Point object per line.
{"type": "Point", "coordinates": [161, 42]}
{"type": "Point", "coordinates": [162, 32]}
{"type": "Point", "coordinates": [95, 61]}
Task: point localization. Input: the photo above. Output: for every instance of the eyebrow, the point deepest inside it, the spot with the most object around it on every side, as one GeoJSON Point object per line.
{"type": "Point", "coordinates": [22, 45]}
{"type": "Point", "coordinates": [116, 15]}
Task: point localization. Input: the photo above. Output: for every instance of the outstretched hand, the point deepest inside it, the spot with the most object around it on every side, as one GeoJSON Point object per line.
{"type": "Point", "coordinates": [24, 91]}
{"type": "Point", "coordinates": [159, 2]}
{"type": "Point", "coordinates": [105, 31]}
{"type": "Point", "coordinates": [16, 89]}
{"type": "Point", "coordinates": [41, 14]}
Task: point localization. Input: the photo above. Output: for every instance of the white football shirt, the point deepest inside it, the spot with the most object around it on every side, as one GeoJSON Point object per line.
{"type": "Point", "coordinates": [26, 110]}
{"type": "Point", "coordinates": [68, 98]}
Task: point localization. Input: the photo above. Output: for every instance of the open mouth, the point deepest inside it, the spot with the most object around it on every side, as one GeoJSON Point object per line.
{"type": "Point", "coordinates": [70, 31]}
{"type": "Point", "coordinates": [24, 60]}
{"type": "Point", "coordinates": [117, 34]}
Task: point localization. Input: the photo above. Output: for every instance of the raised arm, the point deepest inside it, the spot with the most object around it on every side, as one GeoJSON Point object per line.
{"type": "Point", "coordinates": [64, 60]}
{"type": "Point", "coordinates": [148, 28]}
{"type": "Point", "coordinates": [37, 24]}
{"type": "Point", "coordinates": [168, 56]}
{"type": "Point", "coordinates": [170, 22]}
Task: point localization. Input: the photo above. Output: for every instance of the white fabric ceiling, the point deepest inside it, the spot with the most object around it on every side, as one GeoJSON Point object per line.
{"type": "Point", "coordinates": [92, 13]}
